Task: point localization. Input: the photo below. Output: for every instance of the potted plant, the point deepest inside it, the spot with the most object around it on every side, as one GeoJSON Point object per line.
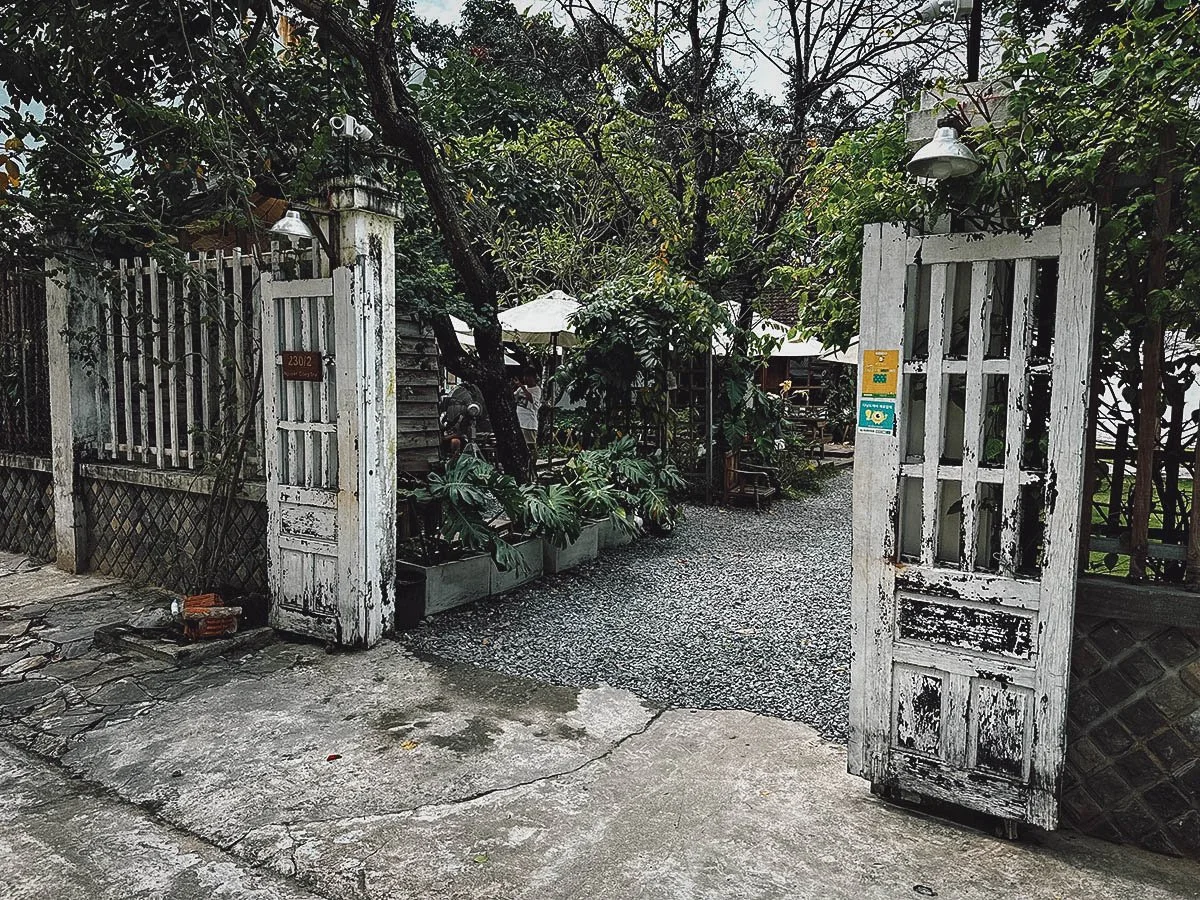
{"type": "Point", "coordinates": [451, 559]}
{"type": "Point", "coordinates": [550, 512]}
{"type": "Point", "coordinates": [625, 493]}
{"type": "Point", "coordinates": [529, 550]}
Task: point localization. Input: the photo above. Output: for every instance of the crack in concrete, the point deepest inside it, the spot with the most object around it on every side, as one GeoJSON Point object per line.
{"type": "Point", "coordinates": [281, 860]}
{"type": "Point", "coordinates": [541, 778]}
{"type": "Point", "coordinates": [100, 791]}
{"type": "Point", "coordinates": [456, 801]}
{"type": "Point", "coordinates": [153, 811]}
{"type": "Point", "coordinates": [79, 700]}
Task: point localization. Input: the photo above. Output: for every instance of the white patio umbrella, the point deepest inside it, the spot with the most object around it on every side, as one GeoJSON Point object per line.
{"type": "Point", "coordinates": [847, 357]}
{"type": "Point", "coordinates": [546, 320]}
{"type": "Point", "coordinates": [467, 339]}
{"type": "Point", "coordinates": [463, 330]}
{"type": "Point", "coordinates": [810, 347]}
{"type": "Point", "coordinates": [762, 326]}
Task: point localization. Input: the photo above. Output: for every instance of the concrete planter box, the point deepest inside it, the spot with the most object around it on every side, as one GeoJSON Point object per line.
{"type": "Point", "coordinates": [611, 535]}
{"type": "Point", "coordinates": [584, 549]}
{"type": "Point", "coordinates": [532, 552]}
{"type": "Point", "coordinates": [425, 590]}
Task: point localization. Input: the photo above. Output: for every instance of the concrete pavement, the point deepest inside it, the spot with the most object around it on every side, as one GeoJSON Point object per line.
{"type": "Point", "coordinates": [291, 772]}
{"type": "Point", "coordinates": [71, 841]}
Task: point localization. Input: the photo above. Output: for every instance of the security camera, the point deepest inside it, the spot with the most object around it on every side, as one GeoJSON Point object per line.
{"type": "Point", "coordinates": [348, 127]}
{"type": "Point", "coordinates": [932, 10]}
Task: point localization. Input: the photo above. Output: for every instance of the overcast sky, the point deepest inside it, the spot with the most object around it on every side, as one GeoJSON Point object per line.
{"type": "Point", "coordinates": [763, 78]}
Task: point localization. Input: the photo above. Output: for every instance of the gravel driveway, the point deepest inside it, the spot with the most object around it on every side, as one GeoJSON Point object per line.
{"type": "Point", "coordinates": [736, 610]}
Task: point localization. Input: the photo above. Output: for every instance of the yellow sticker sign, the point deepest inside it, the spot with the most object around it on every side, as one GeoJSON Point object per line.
{"type": "Point", "coordinates": [879, 374]}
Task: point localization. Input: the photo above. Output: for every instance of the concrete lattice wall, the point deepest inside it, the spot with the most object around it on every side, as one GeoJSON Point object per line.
{"type": "Point", "coordinates": [150, 534]}
{"type": "Point", "coordinates": [27, 508]}
{"type": "Point", "coordinates": [1133, 745]}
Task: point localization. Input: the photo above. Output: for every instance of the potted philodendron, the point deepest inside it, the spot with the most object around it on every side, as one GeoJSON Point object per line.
{"type": "Point", "coordinates": [451, 561]}
{"type": "Point", "coordinates": [589, 478]}
{"type": "Point", "coordinates": [542, 516]}
{"type": "Point", "coordinates": [550, 512]}
{"type": "Point", "coordinates": [572, 537]}
{"type": "Point", "coordinates": [625, 493]}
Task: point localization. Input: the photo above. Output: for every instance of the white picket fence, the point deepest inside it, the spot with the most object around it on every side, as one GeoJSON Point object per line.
{"type": "Point", "coordinates": [178, 353]}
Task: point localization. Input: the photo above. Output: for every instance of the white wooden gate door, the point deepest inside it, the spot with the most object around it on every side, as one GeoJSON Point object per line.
{"type": "Point", "coordinates": [301, 380]}
{"type": "Point", "coordinates": [973, 386]}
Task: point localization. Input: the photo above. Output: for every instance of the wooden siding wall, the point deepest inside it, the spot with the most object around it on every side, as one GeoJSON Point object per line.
{"type": "Point", "coordinates": [417, 383]}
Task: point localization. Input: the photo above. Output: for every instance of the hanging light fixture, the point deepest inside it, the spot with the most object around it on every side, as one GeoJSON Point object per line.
{"type": "Point", "coordinates": [292, 227]}
{"type": "Point", "coordinates": [945, 156]}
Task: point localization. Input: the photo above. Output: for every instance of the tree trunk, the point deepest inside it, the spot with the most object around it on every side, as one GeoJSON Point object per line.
{"type": "Point", "coordinates": [510, 440]}
{"type": "Point", "coordinates": [1152, 354]}
{"type": "Point", "coordinates": [400, 127]}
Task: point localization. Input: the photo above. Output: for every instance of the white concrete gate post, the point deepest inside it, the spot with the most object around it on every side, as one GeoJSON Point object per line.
{"type": "Point", "coordinates": [366, 328]}
{"type": "Point", "coordinates": [70, 313]}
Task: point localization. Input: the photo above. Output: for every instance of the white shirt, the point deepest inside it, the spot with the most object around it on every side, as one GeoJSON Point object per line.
{"type": "Point", "coordinates": [527, 406]}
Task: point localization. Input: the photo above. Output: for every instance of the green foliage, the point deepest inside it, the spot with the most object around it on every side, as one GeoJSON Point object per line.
{"type": "Point", "coordinates": [841, 393]}
{"type": "Point", "coordinates": [860, 179]}
{"type": "Point", "coordinates": [750, 417]}
{"type": "Point", "coordinates": [615, 482]}
{"type": "Point", "coordinates": [602, 228]}
{"type": "Point", "coordinates": [633, 331]}
{"type": "Point", "coordinates": [551, 511]}
{"type": "Point", "coordinates": [1098, 121]}
{"type": "Point", "coordinates": [130, 120]}
{"type": "Point", "coordinates": [608, 482]}
{"type": "Point", "coordinates": [737, 197]}
{"type": "Point", "coordinates": [467, 494]}
{"type": "Point", "coordinates": [798, 474]}
{"type": "Point", "coordinates": [1088, 121]}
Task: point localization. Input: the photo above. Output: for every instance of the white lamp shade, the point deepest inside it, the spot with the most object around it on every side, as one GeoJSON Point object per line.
{"type": "Point", "coordinates": [292, 226]}
{"type": "Point", "coordinates": [945, 156]}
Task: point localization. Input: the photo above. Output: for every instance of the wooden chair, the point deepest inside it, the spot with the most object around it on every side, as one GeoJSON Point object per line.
{"type": "Point", "coordinates": [745, 481]}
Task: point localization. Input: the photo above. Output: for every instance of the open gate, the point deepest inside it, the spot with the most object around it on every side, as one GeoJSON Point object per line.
{"type": "Point", "coordinates": [301, 383]}
{"type": "Point", "coordinates": [974, 369]}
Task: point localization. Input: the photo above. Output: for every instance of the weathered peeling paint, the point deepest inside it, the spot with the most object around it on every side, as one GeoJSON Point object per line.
{"type": "Point", "coordinates": [968, 627]}
{"type": "Point", "coordinates": [1001, 714]}
{"type": "Point", "coordinates": [918, 710]}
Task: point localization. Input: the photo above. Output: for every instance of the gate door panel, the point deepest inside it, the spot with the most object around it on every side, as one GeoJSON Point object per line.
{"type": "Point", "coordinates": [974, 365]}
{"type": "Point", "coordinates": [300, 391]}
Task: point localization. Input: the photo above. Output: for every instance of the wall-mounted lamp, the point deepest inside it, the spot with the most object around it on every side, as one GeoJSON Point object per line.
{"type": "Point", "coordinates": [347, 126]}
{"type": "Point", "coordinates": [292, 227]}
{"type": "Point", "coordinates": [945, 156]}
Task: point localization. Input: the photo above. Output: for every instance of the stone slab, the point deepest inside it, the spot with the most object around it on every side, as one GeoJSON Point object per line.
{"type": "Point", "coordinates": [24, 585]}
{"type": "Point", "coordinates": [10, 630]}
{"type": "Point", "coordinates": [381, 775]}
{"type": "Point", "coordinates": [122, 638]}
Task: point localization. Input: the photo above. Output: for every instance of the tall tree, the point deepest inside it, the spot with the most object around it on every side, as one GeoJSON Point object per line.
{"type": "Point", "coordinates": [370, 35]}
{"type": "Point", "coordinates": [134, 118]}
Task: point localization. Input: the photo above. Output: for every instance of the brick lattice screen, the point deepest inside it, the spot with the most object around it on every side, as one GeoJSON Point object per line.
{"type": "Point", "coordinates": [1133, 744]}
{"type": "Point", "coordinates": [150, 535]}
{"type": "Point", "coordinates": [27, 512]}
